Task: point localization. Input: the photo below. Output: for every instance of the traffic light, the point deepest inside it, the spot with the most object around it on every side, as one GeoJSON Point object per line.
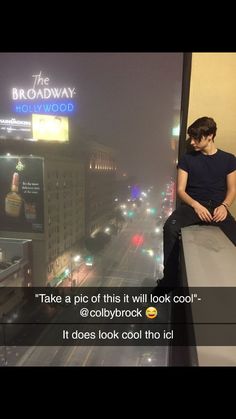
{"type": "Point", "coordinates": [137, 240]}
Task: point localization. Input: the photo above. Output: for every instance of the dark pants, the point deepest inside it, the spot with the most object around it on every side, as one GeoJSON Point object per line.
{"type": "Point", "coordinates": [182, 217]}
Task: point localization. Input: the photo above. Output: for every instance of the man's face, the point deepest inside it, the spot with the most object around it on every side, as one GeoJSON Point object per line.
{"type": "Point", "coordinates": [202, 144]}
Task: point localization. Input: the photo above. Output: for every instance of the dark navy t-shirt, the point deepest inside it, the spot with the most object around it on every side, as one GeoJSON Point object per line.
{"type": "Point", "coordinates": [207, 174]}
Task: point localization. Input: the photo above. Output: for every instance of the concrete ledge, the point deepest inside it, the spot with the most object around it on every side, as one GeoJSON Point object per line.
{"type": "Point", "coordinates": [210, 257]}
{"type": "Point", "coordinates": [208, 260]}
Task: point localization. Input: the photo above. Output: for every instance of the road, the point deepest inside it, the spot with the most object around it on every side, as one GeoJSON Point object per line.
{"type": "Point", "coordinates": [129, 260]}
{"type": "Point", "coordinates": [124, 262]}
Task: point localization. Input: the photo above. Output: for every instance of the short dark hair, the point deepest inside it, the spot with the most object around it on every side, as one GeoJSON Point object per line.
{"type": "Point", "coordinates": [202, 127]}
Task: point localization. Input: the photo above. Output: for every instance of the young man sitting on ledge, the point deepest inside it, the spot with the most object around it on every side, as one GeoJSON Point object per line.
{"type": "Point", "coordinates": [206, 186]}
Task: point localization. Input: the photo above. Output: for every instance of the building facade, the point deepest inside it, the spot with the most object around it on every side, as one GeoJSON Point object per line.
{"type": "Point", "coordinates": [77, 195]}
{"type": "Point", "coordinates": [99, 187]}
{"type": "Point", "coordinates": [63, 217]}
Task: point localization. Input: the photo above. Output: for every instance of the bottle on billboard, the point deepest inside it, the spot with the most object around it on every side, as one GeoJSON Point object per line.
{"type": "Point", "coordinates": [13, 200]}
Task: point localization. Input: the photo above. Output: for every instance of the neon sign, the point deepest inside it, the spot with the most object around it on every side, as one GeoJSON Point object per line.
{"type": "Point", "coordinates": [46, 107]}
{"type": "Point", "coordinates": [42, 93]}
{"type": "Point", "coordinates": [42, 98]}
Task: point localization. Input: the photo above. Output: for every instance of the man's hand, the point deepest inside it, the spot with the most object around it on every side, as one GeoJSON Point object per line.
{"type": "Point", "coordinates": [220, 213]}
{"type": "Point", "coordinates": [202, 212]}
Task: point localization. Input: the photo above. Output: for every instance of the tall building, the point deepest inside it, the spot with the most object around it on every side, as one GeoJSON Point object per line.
{"type": "Point", "coordinates": [55, 188]}
{"type": "Point", "coordinates": [66, 194]}
{"type": "Point", "coordinates": [99, 186]}
{"type": "Point", "coordinates": [52, 210]}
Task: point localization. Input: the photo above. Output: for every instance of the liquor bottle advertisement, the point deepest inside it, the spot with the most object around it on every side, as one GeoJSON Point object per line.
{"type": "Point", "coordinates": [21, 194]}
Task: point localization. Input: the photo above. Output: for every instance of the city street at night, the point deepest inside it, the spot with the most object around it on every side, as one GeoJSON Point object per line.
{"type": "Point", "coordinates": [123, 263]}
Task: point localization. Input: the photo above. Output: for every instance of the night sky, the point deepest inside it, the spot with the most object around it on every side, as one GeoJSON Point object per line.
{"type": "Point", "coordinates": [128, 101]}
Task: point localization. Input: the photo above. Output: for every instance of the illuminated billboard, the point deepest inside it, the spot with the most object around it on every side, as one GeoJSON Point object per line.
{"type": "Point", "coordinates": [16, 128]}
{"type": "Point", "coordinates": [35, 127]}
{"type": "Point", "coordinates": [50, 128]}
{"type": "Point", "coordinates": [21, 194]}
{"type": "Point", "coordinates": [38, 108]}
{"type": "Point", "coordinates": [43, 97]}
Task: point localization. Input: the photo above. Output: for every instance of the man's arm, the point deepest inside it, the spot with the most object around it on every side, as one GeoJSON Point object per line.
{"type": "Point", "coordinates": [231, 189]}
{"type": "Point", "coordinates": [220, 213]}
{"type": "Point", "coordinates": [200, 210]}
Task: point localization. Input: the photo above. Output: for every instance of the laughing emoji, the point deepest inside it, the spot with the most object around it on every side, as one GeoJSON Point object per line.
{"type": "Point", "coordinates": [151, 312]}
